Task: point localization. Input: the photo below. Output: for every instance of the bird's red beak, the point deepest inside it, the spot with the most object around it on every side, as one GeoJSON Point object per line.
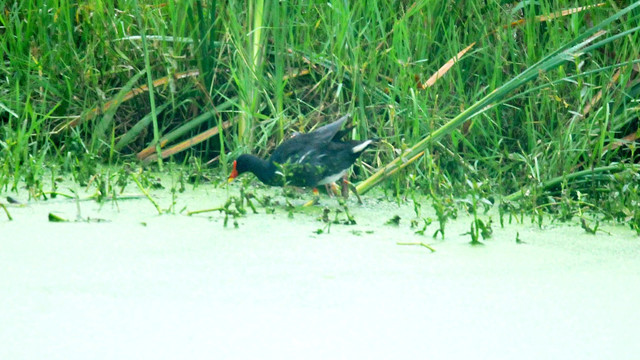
{"type": "Point", "coordinates": [234, 172]}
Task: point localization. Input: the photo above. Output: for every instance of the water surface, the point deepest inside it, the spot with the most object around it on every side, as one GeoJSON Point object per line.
{"type": "Point", "coordinates": [143, 285]}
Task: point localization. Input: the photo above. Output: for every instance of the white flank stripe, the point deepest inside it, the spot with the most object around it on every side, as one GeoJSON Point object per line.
{"type": "Point", "coordinates": [361, 147]}
{"type": "Point", "coordinates": [303, 156]}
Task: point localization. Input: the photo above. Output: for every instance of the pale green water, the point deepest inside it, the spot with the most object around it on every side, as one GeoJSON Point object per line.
{"type": "Point", "coordinates": [186, 287]}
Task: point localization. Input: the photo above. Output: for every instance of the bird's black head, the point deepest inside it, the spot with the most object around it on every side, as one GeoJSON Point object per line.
{"type": "Point", "coordinates": [240, 165]}
{"type": "Point", "coordinates": [264, 170]}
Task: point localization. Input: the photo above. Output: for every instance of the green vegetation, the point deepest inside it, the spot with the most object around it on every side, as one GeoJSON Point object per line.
{"type": "Point", "coordinates": [534, 105]}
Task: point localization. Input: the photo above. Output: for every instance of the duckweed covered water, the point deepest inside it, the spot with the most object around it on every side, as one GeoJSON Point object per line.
{"type": "Point", "coordinates": [135, 284]}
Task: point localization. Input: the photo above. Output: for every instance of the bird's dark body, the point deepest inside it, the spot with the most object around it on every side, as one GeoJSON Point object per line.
{"type": "Point", "coordinates": [311, 159]}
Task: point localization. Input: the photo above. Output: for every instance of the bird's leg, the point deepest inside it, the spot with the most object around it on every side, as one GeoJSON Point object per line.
{"type": "Point", "coordinates": [345, 188]}
{"type": "Point", "coordinates": [346, 185]}
{"type": "Point", "coordinates": [332, 189]}
{"type": "Point", "coordinates": [327, 187]}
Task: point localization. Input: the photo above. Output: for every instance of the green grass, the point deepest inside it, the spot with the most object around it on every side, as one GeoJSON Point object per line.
{"type": "Point", "coordinates": [561, 102]}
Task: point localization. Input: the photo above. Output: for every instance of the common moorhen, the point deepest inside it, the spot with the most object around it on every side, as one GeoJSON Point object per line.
{"type": "Point", "coordinates": [310, 159]}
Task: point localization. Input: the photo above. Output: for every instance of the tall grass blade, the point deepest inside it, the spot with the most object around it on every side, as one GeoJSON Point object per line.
{"type": "Point", "coordinates": [107, 119]}
{"type": "Point", "coordinates": [565, 53]}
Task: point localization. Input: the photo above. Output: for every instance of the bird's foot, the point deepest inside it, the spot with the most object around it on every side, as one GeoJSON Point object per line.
{"type": "Point", "coordinates": [315, 200]}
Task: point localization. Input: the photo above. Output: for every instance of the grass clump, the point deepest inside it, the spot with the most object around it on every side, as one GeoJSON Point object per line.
{"type": "Point", "coordinates": [537, 100]}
